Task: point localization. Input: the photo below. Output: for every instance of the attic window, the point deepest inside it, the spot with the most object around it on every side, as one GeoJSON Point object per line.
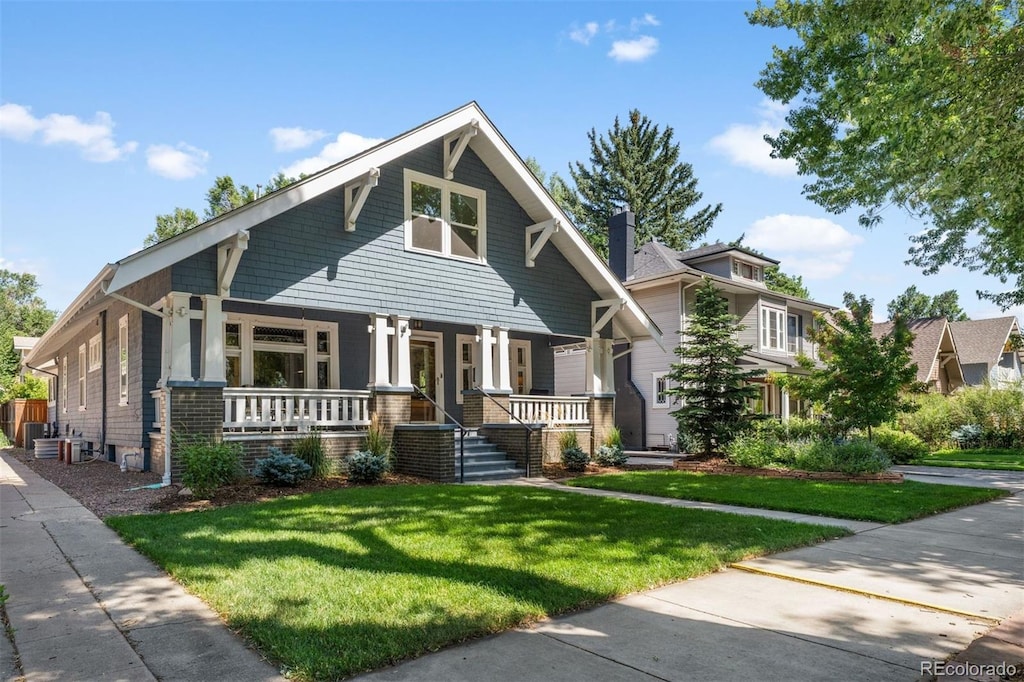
{"type": "Point", "coordinates": [746, 270]}
{"type": "Point", "coordinates": [444, 218]}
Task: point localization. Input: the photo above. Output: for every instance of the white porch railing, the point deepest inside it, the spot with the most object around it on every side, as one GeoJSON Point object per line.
{"type": "Point", "coordinates": [286, 408]}
{"type": "Point", "coordinates": [550, 410]}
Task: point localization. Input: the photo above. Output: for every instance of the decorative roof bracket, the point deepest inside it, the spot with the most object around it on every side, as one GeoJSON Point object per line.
{"type": "Point", "coordinates": [355, 196]}
{"type": "Point", "coordinates": [461, 140]}
{"type": "Point", "coordinates": [533, 248]}
{"type": "Point", "coordinates": [229, 253]}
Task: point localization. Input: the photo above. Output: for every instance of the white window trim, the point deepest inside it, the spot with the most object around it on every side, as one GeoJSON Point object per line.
{"type": "Point", "coordinates": [64, 380]}
{"type": "Point", "coordinates": [461, 339]}
{"type": "Point", "coordinates": [83, 384]}
{"type": "Point", "coordinates": [513, 346]}
{"type": "Point", "coordinates": [51, 391]}
{"type": "Point", "coordinates": [95, 353]}
{"type": "Point", "coordinates": [122, 359]}
{"type": "Point", "coordinates": [755, 270]}
{"type": "Point", "coordinates": [655, 394]}
{"type": "Point", "coordinates": [246, 323]}
{"type": "Point", "coordinates": [446, 187]}
{"type": "Point", "coordinates": [764, 342]}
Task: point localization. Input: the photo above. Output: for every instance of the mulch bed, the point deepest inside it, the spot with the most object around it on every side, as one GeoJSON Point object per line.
{"type": "Point", "coordinates": [721, 465]}
{"type": "Point", "coordinates": [557, 472]}
{"type": "Point", "coordinates": [106, 491]}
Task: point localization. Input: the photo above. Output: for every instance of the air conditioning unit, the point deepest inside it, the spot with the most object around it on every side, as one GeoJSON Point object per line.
{"type": "Point", "coordinates": [32, 431]}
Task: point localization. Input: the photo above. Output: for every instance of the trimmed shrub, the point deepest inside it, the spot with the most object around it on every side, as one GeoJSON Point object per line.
{"type": "Point", "coordinates": [902, 448]}
{"type": "Point", "coordinates": [281, 469]}
{"type": "Point", "coordinates": [310, 449]}
{"type": "Point", "coordinates": [967, 436]}
{"type": "Point", "coordinates": [610, 456]}
{"type": "Point", "coordinates": [366, 467]}
{"type": "Point", "coordinates": [208, 465]}
{"type": "Point", "coordinates": [574, 458]}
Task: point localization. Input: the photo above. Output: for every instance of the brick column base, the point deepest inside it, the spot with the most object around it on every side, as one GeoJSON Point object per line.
{"type": "Point", "coordinates": [196, 412]}
{"type": "Point", "coordinates": [478, 408]}
{"type": "Point", "coordinates": [426, 450]}
{"type": "Point", "coordinates": [602, 419]}
{"type": "Point", "coordinates": [391, 408]}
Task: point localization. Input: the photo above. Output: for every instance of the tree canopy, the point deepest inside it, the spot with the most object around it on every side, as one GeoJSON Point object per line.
{"type": "Point", "coordinates": [915, 104]}
{"type": "Point", "coordinates": [912, 305]}
{"type": "Point", "coordinates": [222, 197]}
{"type": "Point", "coordinates": [864, 380]}
{"type": "Point", "coordinates": [22, 313]}
{"type": "Point", "coordinates": [637, 164]}
{"type": "Point", "coordinates": [712, 389]}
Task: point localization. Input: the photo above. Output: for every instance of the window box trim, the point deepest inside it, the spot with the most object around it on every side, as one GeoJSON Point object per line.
{"type": "Point", "coordinates": [95, 353]}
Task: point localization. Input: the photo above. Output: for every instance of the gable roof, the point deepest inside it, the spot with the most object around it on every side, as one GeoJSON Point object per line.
{"type": "Point", "coordinates": [719, 248]}
{"type": "Point", "coordinates": [982, 341]}
{"type": "Point", "coordinates": [488, 144]}
{"type": "Point", "coordinates": [928, 335]}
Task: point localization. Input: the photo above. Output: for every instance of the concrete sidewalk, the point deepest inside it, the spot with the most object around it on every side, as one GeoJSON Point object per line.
{"type": "Point", "coordinates": [85, 606]}
{"type": "Point", "coordinates": [884, 604]}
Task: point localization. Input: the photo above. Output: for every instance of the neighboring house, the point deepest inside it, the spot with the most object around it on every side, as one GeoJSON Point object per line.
{"type": "Point", "coordinates": [662, 280]}
{"type": "Point", "coordinates": [392, 284]}
{"type": "Point", "coordinates": [986, 350]}
{"type": "Point", "coordinates": [46, 371]}
{"type": "Point", "coordinates": [934, 352]}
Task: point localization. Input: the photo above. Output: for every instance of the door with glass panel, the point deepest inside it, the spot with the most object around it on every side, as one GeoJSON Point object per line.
{"type": "Point", "coordinates": [425, 365]}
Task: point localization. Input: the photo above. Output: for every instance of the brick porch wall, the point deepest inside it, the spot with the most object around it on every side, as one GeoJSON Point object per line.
{"type": "Point", "coordinates": [478, 408]}
{"type": "Point", "coordinates": [426, 450]}
{"type": "Point", "coordinates": [519, 443]}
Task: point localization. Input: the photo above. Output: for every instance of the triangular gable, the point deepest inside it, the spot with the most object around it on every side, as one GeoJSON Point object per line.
{"type": "Point", "coordinates": [488, 144]}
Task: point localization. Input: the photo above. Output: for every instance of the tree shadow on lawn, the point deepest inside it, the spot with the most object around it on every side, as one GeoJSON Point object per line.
{"type": "Point", "coordinates": [343, 581]}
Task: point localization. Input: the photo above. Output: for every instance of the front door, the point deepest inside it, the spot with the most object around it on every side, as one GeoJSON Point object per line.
{"type": "Point", "coordinates": [425, 361]}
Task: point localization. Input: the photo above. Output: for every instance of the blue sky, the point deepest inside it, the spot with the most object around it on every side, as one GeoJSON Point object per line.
{"type": "Point", "coordinates": [111, 113]}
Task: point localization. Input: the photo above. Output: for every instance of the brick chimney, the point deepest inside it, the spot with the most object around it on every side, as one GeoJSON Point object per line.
{"type": "Point", "coordinates": [621, 228]}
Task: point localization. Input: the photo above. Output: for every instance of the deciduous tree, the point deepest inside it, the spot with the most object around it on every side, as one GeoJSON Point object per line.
{"type": "Point", "coordinates": [864, 381]}
{"type": "Point", "coordinates": [916, 104]}
{"type": "Point", "coordinates": [912, 305]}
{"type": "Point", "coordinates": [711, 387]}
{"type": "Point", "coordinates": [22, 313]}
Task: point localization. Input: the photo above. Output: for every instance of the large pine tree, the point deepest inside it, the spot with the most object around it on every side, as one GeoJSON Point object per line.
{"type": "Point", "coordinates": [711, 387]}
{"type": "Point", "coordinates": [638, 165]}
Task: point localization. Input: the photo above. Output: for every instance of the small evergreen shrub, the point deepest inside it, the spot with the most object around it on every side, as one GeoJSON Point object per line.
{"type": "Point", "coordinates": [366, 467]}
{"type": "Point", "coordinates": [310, 449]}
{"type": "Point", "coordinates": [282, 470]}
{"type": "Point", "coordinates": [902, 448]}
{"type": "Point", "coordinates": [687, 443]}
{"type": "Point", "coordinates": [610, 456]}
{"type": "Point", "coordinates": [208, 465]}
{"type": "Point", "coordinates": [967, 436]}
{"type": "Point", "coordinates": [575, 458]}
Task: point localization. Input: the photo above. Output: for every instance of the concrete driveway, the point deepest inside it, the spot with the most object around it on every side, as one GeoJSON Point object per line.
{"type": "Point", "coordinates": [874, 606]}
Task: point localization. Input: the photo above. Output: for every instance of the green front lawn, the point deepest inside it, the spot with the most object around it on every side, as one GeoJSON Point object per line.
{"type": "Point", "coordinates": [982, 458]}
{"type": "Point", "coordinates": [333, 583]}
{"type": "Point", "coordinates": [885, 502]}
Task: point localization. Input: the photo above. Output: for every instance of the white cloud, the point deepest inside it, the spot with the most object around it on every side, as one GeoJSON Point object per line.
{"type": "Point", "coordinates": [290, 139]}
{"type": "Point", "coordinates": [177, 163]}
{"type": "Point", "coordinates": [634, 50]}
{"type": "Point", "coordinates": [584, 34]}
{"type": "Point", "coordinates": [95, 139]}
{"type": "Point", "coordinates": [646, 20]}
{"type": "Point", "coordinates": [815, 248]}
{"type": "Point", "coordinates": [345, 145]}
{"type": "Point", "coordinates": [744, 145]}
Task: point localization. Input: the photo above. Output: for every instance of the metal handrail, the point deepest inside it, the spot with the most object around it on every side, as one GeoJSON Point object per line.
{"type": "Point", "coordinates": [521, 422]}
{"type": "Point", "coordinates": [462, 433]}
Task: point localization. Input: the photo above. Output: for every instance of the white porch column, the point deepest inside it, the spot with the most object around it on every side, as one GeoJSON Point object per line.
{"type": "Point", "coordinates": [178, 331]}
{"type": "Point", "coordinates": [486, 340]}
{"type": "Point", "coordinates": [600, 366]}
{"type": "Point", "coordinates": [379, 366]}
{"type": "Point", "coordinates": [784, 404]}
{"type": "Point", "coordinates": [504, 382]}
{"type": "Point", "coordinates": [212, 365]}
{"type": "Point", "coordinates": [401, 372]}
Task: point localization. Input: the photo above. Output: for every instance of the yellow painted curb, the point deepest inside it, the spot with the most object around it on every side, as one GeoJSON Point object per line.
{"type": "Point", "coordinates": [866, 593]}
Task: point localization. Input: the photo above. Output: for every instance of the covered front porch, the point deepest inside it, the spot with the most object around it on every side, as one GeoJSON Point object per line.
{"type": "Point", "coordinates": [284, 372]}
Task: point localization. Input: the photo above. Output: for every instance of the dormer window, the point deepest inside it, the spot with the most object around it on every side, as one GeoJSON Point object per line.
{"type": "Point", "coordinates": [746, 270]}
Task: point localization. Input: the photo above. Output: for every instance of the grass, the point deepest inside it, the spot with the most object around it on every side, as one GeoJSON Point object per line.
{"type": "Point", "coordinates": [333, 583]}
{"type": "Point", "coordinates": [885, 502]}
{"type": "Point", "coordinates": [982, 458]}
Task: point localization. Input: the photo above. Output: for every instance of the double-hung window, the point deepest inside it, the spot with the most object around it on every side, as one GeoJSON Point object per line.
{"type": "Point", "coordinates": [65, 379]}
{"type": "Point", "coordinates": [95, 353]}
{"type": "Point", "coordinates": [746, 270]}
{"type": "Point", "coordinates": [122, 359]}
{"type": "Point", "coordinates": [445, 218]}
{"type": "Point", "coordinates": [773, 329]}
{"type": "Point", "coordinates": [794, 330]}
{"type": "Point", "coordinates": [81, 377]}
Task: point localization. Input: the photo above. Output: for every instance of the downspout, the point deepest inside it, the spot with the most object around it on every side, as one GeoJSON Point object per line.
{"type": "Point", "coordinates": [167, 399]}
{"type": "Point", "coordinates": [103, 384]}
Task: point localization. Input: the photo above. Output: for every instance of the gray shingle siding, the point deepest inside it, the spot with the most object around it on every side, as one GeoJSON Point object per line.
{"type": "Point", "coordinates": [304, 257]}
